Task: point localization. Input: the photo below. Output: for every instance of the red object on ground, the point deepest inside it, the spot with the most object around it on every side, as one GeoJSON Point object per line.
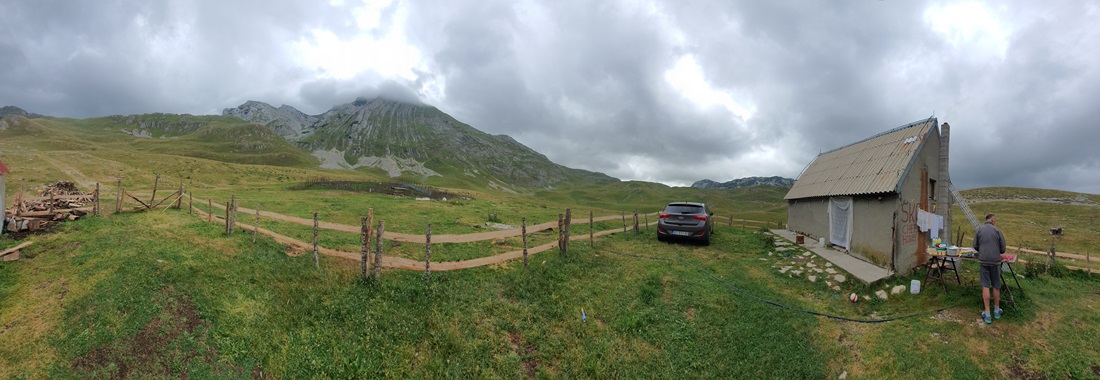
{"type": "Point", "coordinates": [3, 169]}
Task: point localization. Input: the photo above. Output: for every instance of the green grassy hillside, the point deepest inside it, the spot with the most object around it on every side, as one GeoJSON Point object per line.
{"type": "Point", "coordinates": [165, 294]}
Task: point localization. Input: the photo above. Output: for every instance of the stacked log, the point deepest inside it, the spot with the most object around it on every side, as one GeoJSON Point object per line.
{"type": "Point", "coordinates": [56, 202]}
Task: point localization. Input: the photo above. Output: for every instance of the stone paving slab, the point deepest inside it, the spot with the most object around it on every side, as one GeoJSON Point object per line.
{"type": "Point", "coordinates": [862, 270]}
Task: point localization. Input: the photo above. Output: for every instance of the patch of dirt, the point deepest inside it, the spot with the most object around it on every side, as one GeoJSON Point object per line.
{"type": "Point", "coordinates": [49, 228]}
{"type": "Point", "coordinates": [690, 314]}
{"type": "Point", "coordinates": [7, 327]}
{"type": "Point", "coordinates": [1018, 369]}
{"type": "Point", "coordinates": [154, 350]}
{"type": "Point", "coordinates": [666, 295]}
{"type": "Point", "coordinates": [1095, 369]}
{"type": "Point", "coordinates": [294, 251]}
{"type": "Point", "coordinates": [526, 352]}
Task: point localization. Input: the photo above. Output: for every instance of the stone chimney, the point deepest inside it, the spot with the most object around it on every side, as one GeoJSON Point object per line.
{"type": "Point", "coordinates": [943, 205]}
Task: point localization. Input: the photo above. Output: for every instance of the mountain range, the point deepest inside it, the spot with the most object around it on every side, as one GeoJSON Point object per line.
{"type": "Point", "coordinates": [744, 182]}
{"type": "Point", "coordinates": [409, 139]}
{"type": "Point", "coordinates": [13, 110]}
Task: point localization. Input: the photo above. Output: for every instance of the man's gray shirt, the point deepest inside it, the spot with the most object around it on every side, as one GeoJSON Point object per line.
{"type": "Point", "coordinates": [989, 243]}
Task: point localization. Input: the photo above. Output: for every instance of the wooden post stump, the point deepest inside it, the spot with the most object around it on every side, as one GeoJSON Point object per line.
{"type": "Point", "coordinates": [316, 260]}
{"type": "Point", "coordinates": [378, 250]}
{"type": "Point", "coordinates": [428, 256]}
{"type": "Point", "coordinates": [568, 230]}
{"type": "Point", "coordinates": [118, 201]}
{"type": "Point", "coordinates": [636, 221]}
{"type": "Point", "coordinates": [96, 213]}
{"type": "Point", "coordinates": [523, 225]}
{"type": "Point", "coordinates": [256, 229]}
{"type": "Point", "coordinates": [364, 232]}
{"type": "Point", "coordinates": [591, 227]}
{"type": "Point", "coordinates": [155, 182]}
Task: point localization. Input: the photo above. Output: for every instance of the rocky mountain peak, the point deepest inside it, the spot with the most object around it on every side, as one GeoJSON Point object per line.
{"type": "Point", "coordinates": [744, 182]}
{"type": "Point", "coordinates": [13, 110]}
{"type": "Point", "coordinates": [403, 137]}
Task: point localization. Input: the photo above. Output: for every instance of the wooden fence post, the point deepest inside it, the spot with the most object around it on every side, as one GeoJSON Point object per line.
{"type": "Point", "coordinates": [378, 250]}
{"type": "Point", "coordinates": [316, 260]}
{"type": "Point", "coordinates": [190, 202]}
{"type": "Point", "coordinates": [428, 256]}
{"type": "Point", "coordinates": [635, 221]}
{"type": "Point", "coordinates": [523, 224]}
{"type": "Point", "coordinates": [155, 182]}
{"type": "Point", "coordinates": [624, 221]}
{"type": "Point", "coordinates": [363, 237]}
{"type": "Point", "coordinates": [568, 230]}
{"type": "Point", "coordinates": [227, 230]}
{"type": "Point", "coordinates": [561, 221]}
{"type": "Point", "coordinates": [731, 221]}
{"type": "Point", "coordinates": [256, 229]}
{"type": "Point", "coordinates": [209, 211]}
{"type": "Point", "coordinates": [180, 199]}
{"type": "Point", "coordinates": [97, 199]}
{"type": "Point", "coordinates": [1088, 261]}
{"type": "Point", "coordinates": [591, 227]}
{"type": "Point", "coordinates": [647, 222]}
{"type": "Point", "coordinates": [118, 202]}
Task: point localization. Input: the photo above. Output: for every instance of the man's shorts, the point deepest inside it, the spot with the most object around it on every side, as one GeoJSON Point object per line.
{"type": "Point", "coordinates": [990, 276]}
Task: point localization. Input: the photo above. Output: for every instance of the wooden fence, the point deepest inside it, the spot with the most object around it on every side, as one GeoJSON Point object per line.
{"type": "Point", "coordinates": [381, 261]}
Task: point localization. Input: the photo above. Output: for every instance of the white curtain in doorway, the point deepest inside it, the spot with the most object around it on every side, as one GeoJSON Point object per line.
{"type": "Point", "coordinates": [840, 221]}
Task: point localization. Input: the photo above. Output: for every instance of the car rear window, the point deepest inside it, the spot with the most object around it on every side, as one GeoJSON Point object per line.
{"type": "Point", "coordinates": [684, 209]}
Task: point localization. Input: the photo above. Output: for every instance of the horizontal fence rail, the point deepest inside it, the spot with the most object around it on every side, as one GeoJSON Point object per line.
{"type": "Point", "coordinates": [401, 262]}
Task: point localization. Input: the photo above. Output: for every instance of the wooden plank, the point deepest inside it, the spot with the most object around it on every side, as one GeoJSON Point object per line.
{"type": "Point", "coordinates": [88, 197]}
{"type": "Point", "coordinates": [15, 248]}
{"type": "Point", "coordinates": [55, 212]}
{"type": "Point", "coordinates": [166, 198]}
{"type": "Point", "coordinates": [135, 198]}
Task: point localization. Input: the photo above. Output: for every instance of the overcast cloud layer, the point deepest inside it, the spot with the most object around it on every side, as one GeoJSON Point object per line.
{"type": "Point", "coordinates": [665, 91]}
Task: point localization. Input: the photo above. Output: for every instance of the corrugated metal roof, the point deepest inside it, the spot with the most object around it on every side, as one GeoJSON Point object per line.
{"type": "Point", "coordinates": [871, 166]}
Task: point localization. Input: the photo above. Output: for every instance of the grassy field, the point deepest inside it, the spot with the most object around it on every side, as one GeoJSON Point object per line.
{"type": "Point", "coordinates": [1026, 216]}
{"type": "Point", "coordinates": [166, 294]}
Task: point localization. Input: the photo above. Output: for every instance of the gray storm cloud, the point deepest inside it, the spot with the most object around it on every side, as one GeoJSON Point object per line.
{"type": "Point", "coordinates": [661, 91]}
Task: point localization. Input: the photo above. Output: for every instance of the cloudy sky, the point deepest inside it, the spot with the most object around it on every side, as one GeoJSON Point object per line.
{"type": "Point", "coordinates": [664, 91]}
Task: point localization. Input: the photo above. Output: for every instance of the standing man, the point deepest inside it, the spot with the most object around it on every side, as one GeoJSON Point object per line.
{"type": "Point", "coordinates": [990, 244]}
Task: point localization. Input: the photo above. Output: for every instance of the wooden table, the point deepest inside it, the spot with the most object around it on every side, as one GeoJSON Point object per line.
{"type": "Point", "coordinates": [939, 263]}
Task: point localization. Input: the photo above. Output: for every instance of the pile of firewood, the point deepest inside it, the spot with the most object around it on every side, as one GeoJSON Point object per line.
{"type": "Point", "coordinates": [58, 201]}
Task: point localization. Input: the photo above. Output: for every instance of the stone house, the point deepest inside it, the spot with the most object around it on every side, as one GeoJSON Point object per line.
{"type": "Point", "coordinates": [882, 199]}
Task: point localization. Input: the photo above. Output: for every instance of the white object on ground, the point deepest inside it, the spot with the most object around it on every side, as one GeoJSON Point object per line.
{"type": "Point", "coordinates": [898, 289]}
{"type": "Point", "coordinates": [881, 294]}
{"type": "Point", "coordinates": [839, 278]}
{"type": "Point", "coordinates": [914, 286]}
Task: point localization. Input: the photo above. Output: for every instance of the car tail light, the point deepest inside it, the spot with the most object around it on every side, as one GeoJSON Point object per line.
{"type": "Point", "coordinates": [700, 217]}
{"type": "Point", "coordinates": [663, 215]}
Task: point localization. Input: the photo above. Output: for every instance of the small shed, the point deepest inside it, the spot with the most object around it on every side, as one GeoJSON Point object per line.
{"type": "Point", "coordinates": [882, 199]}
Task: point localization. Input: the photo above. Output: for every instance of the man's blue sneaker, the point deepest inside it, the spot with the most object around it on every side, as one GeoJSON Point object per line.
{"type": "Point", "coordinates": [997, 313]}
{"type": "Point", "coordinates": [985, 317]}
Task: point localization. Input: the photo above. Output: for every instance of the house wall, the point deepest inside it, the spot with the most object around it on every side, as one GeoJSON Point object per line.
{"type": "Point", "coordinates": [809, 216]}
{"type": "Point", "coordinates": [913, 244]}
{"type": "Point", "coordinates": [872, 235]}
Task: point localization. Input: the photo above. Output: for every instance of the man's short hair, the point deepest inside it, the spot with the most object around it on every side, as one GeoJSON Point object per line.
{"type": "Point", "coordinates": [990, 216]}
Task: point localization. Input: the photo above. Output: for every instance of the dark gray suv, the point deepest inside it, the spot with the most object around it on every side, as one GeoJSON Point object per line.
{"type": "Point", "coordinates": [686, 220]}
